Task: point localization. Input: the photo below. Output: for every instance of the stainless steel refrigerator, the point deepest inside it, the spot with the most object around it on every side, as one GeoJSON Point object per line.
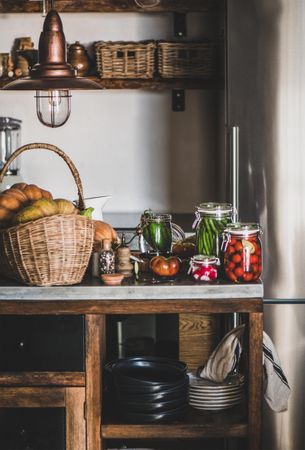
{"type": "Point", "coordinates": [266, 99]}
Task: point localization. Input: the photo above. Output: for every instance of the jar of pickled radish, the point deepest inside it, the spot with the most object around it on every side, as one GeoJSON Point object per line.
{"type": "Point", "coordinates": [210, 222]}
{"type": "Point", "coordinates": [242, 251]}
{"type": "Point", "coordinates": [204, 268]}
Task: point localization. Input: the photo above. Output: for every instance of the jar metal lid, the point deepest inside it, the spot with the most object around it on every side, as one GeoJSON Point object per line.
{"type": "Point", "coordinates": [215, 209]}
{"type": "Point", "coordinates": [156, 217]}
{"type": "Point", "coordinates": [243, 228]}
{"type": "Point", "coordinates": [205, 259]}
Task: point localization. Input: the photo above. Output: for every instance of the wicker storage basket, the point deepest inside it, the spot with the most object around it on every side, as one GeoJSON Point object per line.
{"type": "Point", "coordinates": [53, 250]}
{"type": "Point", "coordinates": [186, 59]}
{"type": "Point", "coordinates": [125, 59]}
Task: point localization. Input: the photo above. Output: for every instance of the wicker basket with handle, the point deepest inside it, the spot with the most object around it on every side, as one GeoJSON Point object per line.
{"type": "Point", "coordinates": [50, 251]}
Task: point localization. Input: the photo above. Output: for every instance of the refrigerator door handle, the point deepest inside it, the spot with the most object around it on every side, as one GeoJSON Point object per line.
{"type": "Point", "coordinates": [234, 169]}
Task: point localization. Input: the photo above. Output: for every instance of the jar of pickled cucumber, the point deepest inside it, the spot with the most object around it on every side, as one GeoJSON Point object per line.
{"type": "Point", "coordinates": [159, 232]}
{"type": "Point", "coordinates": [242, 250]}
{"type": "Point", "coordinates": [210, 222]}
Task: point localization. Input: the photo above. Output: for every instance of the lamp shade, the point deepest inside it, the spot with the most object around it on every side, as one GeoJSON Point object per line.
{"type": "Point", "coordinates": [52, 72]}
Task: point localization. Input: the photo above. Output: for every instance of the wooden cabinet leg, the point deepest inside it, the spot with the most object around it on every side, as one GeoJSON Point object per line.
{"type": "Point", "coordinates": [255, 379]}
{"type": "Point", "coordinates": [75, 420]}
{"type": "Point", "coordinates": [95, 350]}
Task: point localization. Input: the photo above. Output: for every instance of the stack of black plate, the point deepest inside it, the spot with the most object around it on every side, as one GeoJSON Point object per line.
{"type": "Point", "coordinates": [148, 389]}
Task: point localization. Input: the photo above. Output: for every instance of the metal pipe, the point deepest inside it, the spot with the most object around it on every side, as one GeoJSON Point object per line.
{"type": "Point", "coordinates": [234, 147]}
{"type": "Point", "coordinates": [235, 171]}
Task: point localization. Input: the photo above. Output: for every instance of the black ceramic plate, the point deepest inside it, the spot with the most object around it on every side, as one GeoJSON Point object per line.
{"type": "Point", "coordinates": [139, 360]}
{"type": "Point", "coordinates": [164, 395]}
{"type": "Point", "coordinates": [124, 386]}
{"type": "Point", "coordinates": [147, 371]}
{"type": "Point", "coordinates": [167, 416]}
{"type": "Point", "coordinates": [154, 407]}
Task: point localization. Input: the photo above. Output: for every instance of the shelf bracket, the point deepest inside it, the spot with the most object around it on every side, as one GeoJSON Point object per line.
{"type": "Point", "coordinates": [178, 100]}
{"type": "Point", "coordinates": [180, 28]}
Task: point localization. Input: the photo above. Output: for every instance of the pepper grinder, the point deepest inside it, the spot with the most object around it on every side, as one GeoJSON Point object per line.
{"type": "Point", "coordinates": [123, 253]}
{"type": "Point", "coordinates": [106, 258]}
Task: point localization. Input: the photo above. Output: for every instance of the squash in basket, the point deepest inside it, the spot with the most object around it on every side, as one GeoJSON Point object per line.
{"type": "Point", "coordinates": [44, 208]}
{"type": "Point", "coordinates": [104, 231]}
{"type": "Point", "coordinates": [17, 197]}
{"type": "Point", "coordinates": [65, 206]}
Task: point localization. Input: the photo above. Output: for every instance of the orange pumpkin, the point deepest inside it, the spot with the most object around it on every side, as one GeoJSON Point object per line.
{"type": "Point", "coordinates": [19, 196]}
{"type": "Point", "coordinates": [104, 231]}
{"type": "Point", "coordinates": [32, 192]}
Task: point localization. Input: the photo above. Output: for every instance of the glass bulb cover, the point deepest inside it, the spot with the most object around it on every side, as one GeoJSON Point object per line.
{"type": "Point", "coordinates": [53, 107]}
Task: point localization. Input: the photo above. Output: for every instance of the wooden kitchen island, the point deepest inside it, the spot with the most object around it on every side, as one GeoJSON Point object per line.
{"type": "Point", "coordinates": [78, 392]}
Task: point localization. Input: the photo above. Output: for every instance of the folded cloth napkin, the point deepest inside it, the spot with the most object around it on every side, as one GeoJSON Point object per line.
{"type": "Point", "coordinates": [225, 358]}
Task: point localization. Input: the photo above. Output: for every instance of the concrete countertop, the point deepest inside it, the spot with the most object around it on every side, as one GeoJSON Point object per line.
{"type": "Point", "coordinates": [93, 289]}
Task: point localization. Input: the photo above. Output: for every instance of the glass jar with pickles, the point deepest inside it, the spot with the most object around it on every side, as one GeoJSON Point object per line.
{"type": "Point", "coordinates": [242, 250]}
{"type": "Point", "coordinates": [157, 231]}
{"type": "Point", "coordinates": [211, 220]}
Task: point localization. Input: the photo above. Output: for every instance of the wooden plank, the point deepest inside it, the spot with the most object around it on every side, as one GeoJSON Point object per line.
{"type": "Point", "coordinates": [198, 336]}
{"type": "Point", "coordinates": [42, 379]}
{"type": "Point", "coordinates": [75, 420]}
{"type": "Point", "coordinates": [28, 307]}
{"type": "Point", "coordinates": [32, 397]}
{"type": "Point", "coordinates": [95, 343]}
{"type": "Point", "coordinates": [152, 85]}
{"type": "Point", "coordinates": [25, 6]}
{"type": "Point", "coordinates": [255, 379]}
{"type": "Point", "coordinates": [173, 431]}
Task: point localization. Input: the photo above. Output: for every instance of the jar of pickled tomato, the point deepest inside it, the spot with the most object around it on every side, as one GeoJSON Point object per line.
{"type": "Point", "coordinates": [204, 268]}
{"type": "Point", "coordinates": [242, 251]}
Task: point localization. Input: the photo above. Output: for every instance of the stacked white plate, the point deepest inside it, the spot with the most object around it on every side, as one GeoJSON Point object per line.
{"type": "Point", "coordinates": [207, 395]}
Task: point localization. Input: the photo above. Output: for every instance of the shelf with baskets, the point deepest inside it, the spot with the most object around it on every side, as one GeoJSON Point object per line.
{"type": "Point", "coordinates": [154, 84]}
{"type": "Point", "coordinates": [152, 6]}
{"type": "Point", "coordinates": [169, 65]}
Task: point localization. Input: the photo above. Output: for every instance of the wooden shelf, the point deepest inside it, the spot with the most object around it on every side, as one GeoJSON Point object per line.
{"type": "Point", "coordinates": [183, 6]}
{"type": "Point", "coordinates": [156, 84]}
{"type": "Point", "coordinates": [42, 379]}
{"type": "Point", "coordinates": [197, 424]}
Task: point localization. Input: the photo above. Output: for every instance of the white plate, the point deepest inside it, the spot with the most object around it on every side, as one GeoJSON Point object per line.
{"type": "Point", "coordinates": [231, 381]}
{"type": "Point", "coordinates": [214, 399]}
{"type": "Point", "coordinates": [216, 392]}
{"type": "Point", "coordinates": [213, 402]}
{"type": "Point", "coordinates": [215, 407]}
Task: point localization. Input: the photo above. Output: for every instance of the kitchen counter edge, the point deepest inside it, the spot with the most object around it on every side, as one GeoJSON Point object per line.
{"type": "Point", "coordinates": [130, 291]}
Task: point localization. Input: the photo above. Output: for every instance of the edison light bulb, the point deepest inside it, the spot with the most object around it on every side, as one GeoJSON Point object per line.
{"type": "Point", "coordinates": [53, 107]}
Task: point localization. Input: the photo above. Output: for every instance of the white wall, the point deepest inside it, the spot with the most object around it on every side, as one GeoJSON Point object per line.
{"type": "Point", "coordinates": [125, 143]}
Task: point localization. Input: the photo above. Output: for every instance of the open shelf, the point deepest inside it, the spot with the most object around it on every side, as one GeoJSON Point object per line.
{"type": "Point", "coordinates": [196, 424]}
{"type": "Point", "coordinates": [183, 6]}
{"type": "Point", "coordinates": [156, 84]}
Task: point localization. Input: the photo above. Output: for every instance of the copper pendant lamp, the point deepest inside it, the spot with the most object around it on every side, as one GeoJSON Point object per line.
{"type": "Point", "coordinates": [52, 77]}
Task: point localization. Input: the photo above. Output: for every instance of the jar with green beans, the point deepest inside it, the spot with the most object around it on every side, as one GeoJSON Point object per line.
{"type": "Point", "coordinates": [211, 220]}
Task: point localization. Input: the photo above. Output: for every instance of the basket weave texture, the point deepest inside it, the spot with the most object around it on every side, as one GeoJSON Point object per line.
{"type": "Point", "coordinates": [125, 59]}
{"type": "Point", "coordinates": [50, 251]}
{"type": "Point", "coordinates": [186, 59]}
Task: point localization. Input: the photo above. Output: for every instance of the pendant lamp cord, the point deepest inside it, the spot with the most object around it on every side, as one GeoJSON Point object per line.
{"type": "Point", "coordinates": [46, 8]}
